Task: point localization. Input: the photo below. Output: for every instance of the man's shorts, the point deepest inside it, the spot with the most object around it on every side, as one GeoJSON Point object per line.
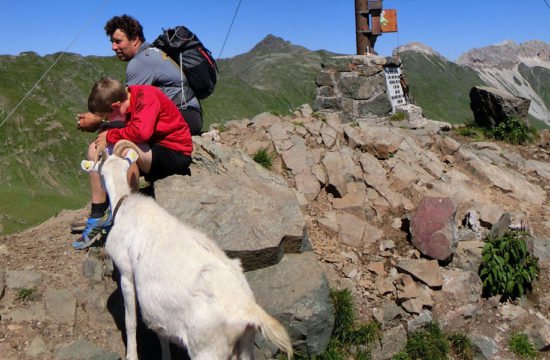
{"type": "Point", "coordinates": [166, 162]}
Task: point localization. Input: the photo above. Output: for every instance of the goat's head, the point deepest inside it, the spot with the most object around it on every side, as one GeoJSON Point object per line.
{"type": "Point", "coordinates": [113, 168]}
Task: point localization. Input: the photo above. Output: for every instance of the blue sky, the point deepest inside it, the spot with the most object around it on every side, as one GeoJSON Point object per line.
{"type": "Point", "coordinates": [450, 27]}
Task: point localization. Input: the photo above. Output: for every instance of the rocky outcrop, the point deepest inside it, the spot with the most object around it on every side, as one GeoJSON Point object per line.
{"type": "Point", "coordinates": [493, 106]}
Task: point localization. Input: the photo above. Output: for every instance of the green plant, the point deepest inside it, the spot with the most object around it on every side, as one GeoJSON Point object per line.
{"type": "Point", "coordinates": [264, 158]}
{"type": "Point", "coordinates": [398, 116]}
{"type": "Point", "coordinates": [507, 268]}
{"type": "Point", "coordinates": [521, 346]}
{"type": "Point", "coordinates": [471, 131]}
{"type": "Point", "coordinates": [428, 343]}
{"type": "Point", "coordinates": [515, 132]}
{"type": "Point", "coordinates": [461, 346]}
{"type": "Point", "coordinates": [25, 294]}
{"type": "Point", "coordinates": [346, 338]}
{"type": "Point", "coordinates": [401, 356]}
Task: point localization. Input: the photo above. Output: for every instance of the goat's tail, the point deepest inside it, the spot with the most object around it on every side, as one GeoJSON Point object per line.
{"type": "Point", "coordinates": [274, 331]}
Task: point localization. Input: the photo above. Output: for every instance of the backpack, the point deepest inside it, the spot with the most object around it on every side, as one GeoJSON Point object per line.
{"type": "Point", "coordinates": [196, 61]}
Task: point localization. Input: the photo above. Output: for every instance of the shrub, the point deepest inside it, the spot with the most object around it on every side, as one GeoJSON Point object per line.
{"type": "Point", "coordinates": [521, 346]}
{"type": "Point", "coordinates": [471, 131]}
{"type": "Point", "coordinates": [428, 343]}
{"type": "Point", "coordinates": [461, 346]}
{"type": "Point", "coordinates": [401, 356]}
{"type": "Point", "coordinates": [398, 116]}
{"type": "Point", "coordinates": [514, 131]}
{"type": "Point", "coordinates": [347, 339]}
{"type": "Point", "coordinates": [264, 158]}
{"type": "Point", "coordinates": [25, 294]}
{"type": "Point", "coordinates": [507, 268]}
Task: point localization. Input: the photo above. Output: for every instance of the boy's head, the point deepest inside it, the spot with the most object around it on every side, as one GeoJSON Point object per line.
{"type": "Point", "coordinates": [104, 94]}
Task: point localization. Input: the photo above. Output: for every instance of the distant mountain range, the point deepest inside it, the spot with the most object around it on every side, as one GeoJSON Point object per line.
{"type": "Point", "coordinates": [441, 87]}
{"type": "Point", "coordinates": [40, 148]}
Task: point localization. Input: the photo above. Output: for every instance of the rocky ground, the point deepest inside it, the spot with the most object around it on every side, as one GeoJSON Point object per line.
{"type": "Point", "coordinates": [75, 310]}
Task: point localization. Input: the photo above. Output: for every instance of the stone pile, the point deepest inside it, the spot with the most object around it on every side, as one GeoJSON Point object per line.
{"type": "Point", "coordinates": [384, 202]}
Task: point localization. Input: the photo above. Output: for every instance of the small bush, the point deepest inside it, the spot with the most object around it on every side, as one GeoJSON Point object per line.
{"type": "Point", "coordinates": [264, 158]}
{"type": "Point", "coordinates": [461, 346]}
{"type": "Point", "coordinates": [25, 294]}
{"type": "Point", "coordinates": [401, 356]}
{"type": "Point", "coordinates": [428, 343]}
{"type": "Point", "coordinates": [398, 116]}
{"type": "Point", "coordinates": [507, 268]}
{"type": "Point", "coordinates": [471, 131]}
{"type": "Point", "coordinates": [522, 347]}
{"type": "Point", "coordinates": [514, 132]}
{"type": "Point", "coordinates": [347, 339]}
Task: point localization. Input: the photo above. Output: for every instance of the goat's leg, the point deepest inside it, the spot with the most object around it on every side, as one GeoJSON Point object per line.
{"type": "Point", "coordinates": [245, 346]}
{"type": "Point", "coordinates": [130, 316]}
{"type": "Point", "coordinates": [165, 347]}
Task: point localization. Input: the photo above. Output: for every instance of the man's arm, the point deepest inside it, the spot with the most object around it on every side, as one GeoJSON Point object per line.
{"type": "Point", "coordinates": [88, 122]}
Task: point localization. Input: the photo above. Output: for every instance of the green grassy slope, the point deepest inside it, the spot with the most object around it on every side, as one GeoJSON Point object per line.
{"type": "Point", "coordinates": [40, 148]}
{"type": "Point", "coordinates": [439, 86]}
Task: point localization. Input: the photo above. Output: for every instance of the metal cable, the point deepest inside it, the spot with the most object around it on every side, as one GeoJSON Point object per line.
{"type": "Point", "coordinates": [53, 64]}
{"type": "Point", "coordinates": [228, 31]}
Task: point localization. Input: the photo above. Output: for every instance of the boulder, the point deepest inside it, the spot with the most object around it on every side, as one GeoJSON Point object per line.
{"type": "Point", "coordinates": [492, 106]}
{"type": "Point", "coordinates": [296, 292]}
{"type": "Point", "coordinates": [250, 212]}
{"type": "Point", "coordinates": [433, 227]}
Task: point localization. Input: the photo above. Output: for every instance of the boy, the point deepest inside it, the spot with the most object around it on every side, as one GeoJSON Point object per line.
{"type": "Point", "coordinates": [153, 122]}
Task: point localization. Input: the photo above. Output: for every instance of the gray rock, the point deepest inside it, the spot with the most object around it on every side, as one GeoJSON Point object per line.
{"type": "Point", "coordinates": [393, 341]}
{"type": "Point", "coordinates": [61, 305]}
{"type": "Point", "coordinates": [296, 292]}
{"type": "Point", "coordinates": [34, 312]}
{"type": "Point", "coordinates": [419, 321]}
{"type": "Point", "coordinates": [83, 350]}
{"type": "Point", "coordinates": [484, 347]}
{"type": "Point", "coordinates": [235, 202]}
{"type": "Point", "coordinates": [3, 248]}
{"type": "Point", "coordinates": [37, 347]}
{"type": "Point", "coordinates": [23, 279]}
{"type": "Point", "coordinates": [2, 283]}
{"type": "Point", "coordinates": [93, 268]}
{"type": "Point", "coordinates": [425, 271]}
{"type": "Point", "coordinates": [492, 106]}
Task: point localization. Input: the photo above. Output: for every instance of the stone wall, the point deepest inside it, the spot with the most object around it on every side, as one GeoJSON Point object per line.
{"type": "Point", "coordinates": [354, 86]}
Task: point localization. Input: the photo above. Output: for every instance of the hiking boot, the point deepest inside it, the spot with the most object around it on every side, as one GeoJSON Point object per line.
{"type": "Point", "coordinates": [96, 228]}
{"type": "Point", "coordinates": [79, 226]}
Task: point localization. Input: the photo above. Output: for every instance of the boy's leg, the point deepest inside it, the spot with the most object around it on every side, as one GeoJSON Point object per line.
{"type": "Point", "coordinates": [100, 217]}
{"type": "Point", "coordinates": [143, 163]}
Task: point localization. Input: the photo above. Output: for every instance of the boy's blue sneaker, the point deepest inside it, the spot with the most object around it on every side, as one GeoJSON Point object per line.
{"type": "Point", "coordinates": [95, 229]}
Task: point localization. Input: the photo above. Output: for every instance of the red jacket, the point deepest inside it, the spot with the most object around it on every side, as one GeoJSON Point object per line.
{"type": "Point", "coordinates": [153, 118]}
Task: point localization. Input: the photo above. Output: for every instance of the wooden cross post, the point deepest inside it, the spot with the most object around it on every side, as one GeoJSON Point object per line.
{"type": "Point", "coordinates": [367, 25]}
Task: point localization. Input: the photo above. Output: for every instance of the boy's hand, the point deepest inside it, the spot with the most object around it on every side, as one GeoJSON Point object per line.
{"type": "Point", "coordinates": [101, 140]}
{"type": "Point", "coordinates": [88, 122]}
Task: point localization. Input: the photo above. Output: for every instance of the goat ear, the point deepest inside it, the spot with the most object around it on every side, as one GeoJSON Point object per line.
{"type": "Point", "coordinates": [131, 156]}
{"type": "Point", "coordinates": [88, 165]}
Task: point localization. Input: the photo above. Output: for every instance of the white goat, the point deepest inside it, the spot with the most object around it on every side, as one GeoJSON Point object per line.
{"type": "Point", "coordinates": [188, 290]}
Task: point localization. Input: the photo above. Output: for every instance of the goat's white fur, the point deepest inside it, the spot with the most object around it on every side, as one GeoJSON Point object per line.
{"type": "Point", "coordinates": [188, 290]}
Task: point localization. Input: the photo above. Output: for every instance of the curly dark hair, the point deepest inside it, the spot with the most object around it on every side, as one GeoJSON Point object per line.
{"type": "Point", "coordinates": [127, 24]}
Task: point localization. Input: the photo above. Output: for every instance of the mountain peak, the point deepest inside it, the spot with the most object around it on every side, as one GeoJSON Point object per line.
{"type": "Point", "coordinates": [272, 43]}
{"type": "Point", "coordinates": [506, 55]}
{"type": "Point", "coordinates": [417, 47]}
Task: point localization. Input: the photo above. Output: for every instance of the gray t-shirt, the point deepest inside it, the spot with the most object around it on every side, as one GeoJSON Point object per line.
{"type": "Point", "coordinates": [151, 66]}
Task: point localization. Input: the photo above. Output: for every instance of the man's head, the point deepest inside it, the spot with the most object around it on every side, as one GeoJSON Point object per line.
{"type": "Point", "coordinates": [126, 34]}
{"type": "Point", "coordinates": [106, 95]}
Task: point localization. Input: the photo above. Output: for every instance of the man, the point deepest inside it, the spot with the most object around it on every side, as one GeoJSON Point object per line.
{"type": "Point", "coordinates": [153, 123]}
{"type": "Point", "coordinates": [148, 66]}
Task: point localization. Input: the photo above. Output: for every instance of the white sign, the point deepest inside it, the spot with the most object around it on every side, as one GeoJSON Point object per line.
{"type": "Point", "coordinates": [393, 82]}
